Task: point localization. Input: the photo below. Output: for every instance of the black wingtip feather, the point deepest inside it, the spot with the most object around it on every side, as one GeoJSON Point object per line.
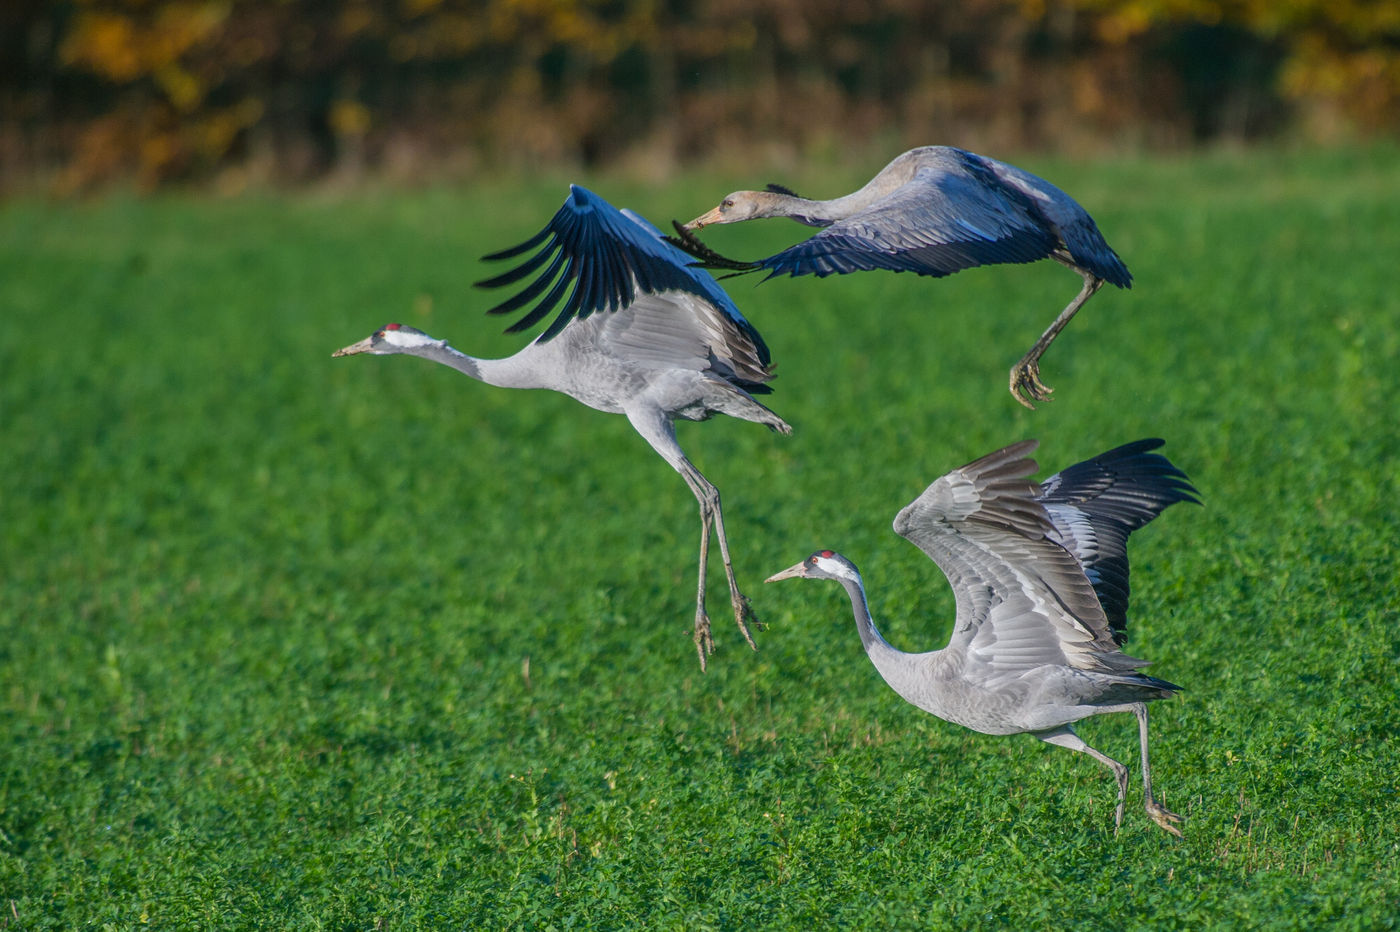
{"type": "Point", "coordinates": [609, 257]}
{"type": "Point", "coordinates": [514, 251]}
{"type": "Point", "coordinates": [531, 291]}
{"type": "Point", "coordinates": [520, 271]}
{"type": "Point", "coordinates": [545, 305]}
{"type": "Point", "coordinates": [1117, 492]}
{"type": "Point", "coordinates": [688, 242]}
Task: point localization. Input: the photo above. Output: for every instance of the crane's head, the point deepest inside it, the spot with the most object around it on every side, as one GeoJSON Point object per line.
{"type": "Point", "coordinates": [824, 564]}
{"type": "Point", "coordinates": [743, 205]}
{"type": "Point", "coordinates": [391, 338]}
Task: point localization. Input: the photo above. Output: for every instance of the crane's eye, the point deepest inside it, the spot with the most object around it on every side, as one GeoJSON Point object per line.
{"type": "Point", "coordinates": [727, 203]}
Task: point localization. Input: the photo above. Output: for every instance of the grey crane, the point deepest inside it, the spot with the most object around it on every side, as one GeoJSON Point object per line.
{"type": "Point", "coordinates": [1040, 576]}
{"type": "Point", "coordinates": [641, 333]}
{"type": "Point", "coordinates": [934, 210]}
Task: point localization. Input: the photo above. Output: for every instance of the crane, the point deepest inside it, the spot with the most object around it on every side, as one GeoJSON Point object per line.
{"type": "Point", "coordinates": [641, 334]}
{"type": "Point", "coordinates": [1040, 577]}
{"type": "Point", "coordinates": [934, 210]}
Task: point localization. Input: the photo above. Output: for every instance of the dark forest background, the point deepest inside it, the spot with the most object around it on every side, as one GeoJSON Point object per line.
{"type": "Point", "coordinates": [95, 92]}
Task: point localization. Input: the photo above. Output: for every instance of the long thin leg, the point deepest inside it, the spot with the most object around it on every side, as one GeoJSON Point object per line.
{"type": "Point", "coordinates": [1155, 811]}
{"type": "Point", "coordinates": [711, 510]}
{"type": "Point", "coordinates": [704, 643]}
{"type": "Point", "coordinates": [656, 428]}
{"type": "Point", "coordinates": [743, 612]}
{"type": "Point", "coordinates": [1066, 738]}
{"type": "Point", "coordinates": [1025, 375]}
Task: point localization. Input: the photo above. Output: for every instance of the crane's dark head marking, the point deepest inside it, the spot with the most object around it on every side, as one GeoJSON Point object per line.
{"type": "Point", "coordinates": [824, 564]}
{"type": "Point", "coordinates": [391, 338]}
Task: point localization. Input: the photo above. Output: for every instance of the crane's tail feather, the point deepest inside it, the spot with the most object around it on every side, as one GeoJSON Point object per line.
{"type": "Point", "coordinates": [1137, 687]}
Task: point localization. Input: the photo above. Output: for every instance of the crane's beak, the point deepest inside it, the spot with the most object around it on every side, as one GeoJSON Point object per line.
{"type": "Point", "coordinates": [796, 571]}
{"type": "Point", "coordinates": [705, 220]}
{"type": "Point", "coordinates": [354, 348]}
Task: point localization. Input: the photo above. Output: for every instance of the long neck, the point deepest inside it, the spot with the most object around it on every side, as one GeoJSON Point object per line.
{"type": "Point", "coordinates": [511, 372]}
{"type": "Point", "coordinates": [905, 673]}
{"type": "Point", "coordinates": [881, 652]}
{"type": "Point", "coordinates": [809, 212]}
{"type": "Point", "coordinates": [812, 213]}
{"type": "Point", "coordinates": [824, 213]}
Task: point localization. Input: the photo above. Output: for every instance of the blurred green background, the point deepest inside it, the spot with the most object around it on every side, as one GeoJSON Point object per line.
{"type": "Point", "coordinates": [294, 642]}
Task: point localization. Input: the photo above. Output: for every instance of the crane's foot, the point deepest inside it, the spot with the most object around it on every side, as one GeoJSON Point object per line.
{"type": "Point", "coordinates": [704, 644]}
{"type": "Point", "coordinates": [744, 616]}
{"type": "Point", "coordinates": [1164, 817]}
{"type": "Point", "coordinates": [1026, 386]}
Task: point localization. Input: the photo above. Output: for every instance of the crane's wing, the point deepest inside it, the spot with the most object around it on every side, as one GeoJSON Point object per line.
{"type": "Point", "coordinates": [593, 257]}
{"type": "Point", "coordinates": [680, 330]}
{"type": "Point", "coordinates": [941, 221]}
{"type": "Point", "coordinates": [1096, 504]}
{"type": "Point", "coordinates": [1077, 229]}
{"type": "Point", "coordinates": [1022, 598]}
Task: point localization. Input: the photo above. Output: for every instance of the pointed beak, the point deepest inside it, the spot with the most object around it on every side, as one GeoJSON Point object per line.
{"type": "Point", "coordinates": [797, 570]}
{"type": "Point", "coordinates": [354, 348]}
{"type": "Point", "coordinates": [705, 220]}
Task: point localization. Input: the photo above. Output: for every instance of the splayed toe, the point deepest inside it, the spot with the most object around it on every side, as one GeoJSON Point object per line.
{"type": "Point", "coordinates": [704, 643]}
{"type": "Point", "coordinates": [744, 616]}
{"type": "Point", "coordinates": [1165, 818]}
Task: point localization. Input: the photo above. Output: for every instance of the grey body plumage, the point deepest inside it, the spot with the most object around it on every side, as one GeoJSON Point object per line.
{"type": "Point", "coordinates": [934, 210]}
{"type": "Point", "coordinates": [637, 332]}
{"type": "Point", "coordinates": [1040, 577]}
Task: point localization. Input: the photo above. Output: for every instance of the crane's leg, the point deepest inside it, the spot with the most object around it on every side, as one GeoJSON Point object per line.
{"type": "Point", "coordinates": [743, 612]}
{"type": "Point", "coordinates": [1066, 738]}
{"type": "Point", "coordinates": [656, 428]}
{"type": "Point", "coordinates": [704, 643]}
{"type": "Point", "coordinates": [1026, 386]}
{"type": "Point", "coordinates": [712, 512]}
{"type": "Point", "coordinates": [1156, 812]}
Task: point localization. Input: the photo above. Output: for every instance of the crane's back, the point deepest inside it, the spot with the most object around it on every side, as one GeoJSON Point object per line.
{"type": "Point", "coordinates": [671, 351]}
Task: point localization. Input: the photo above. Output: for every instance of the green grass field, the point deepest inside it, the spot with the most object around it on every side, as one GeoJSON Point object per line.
{"type": "Point", "coordinates": [293, 642]}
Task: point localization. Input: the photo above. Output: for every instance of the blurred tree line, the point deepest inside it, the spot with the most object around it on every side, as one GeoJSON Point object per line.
{"type": "Point", "coordinates": [181, 90]}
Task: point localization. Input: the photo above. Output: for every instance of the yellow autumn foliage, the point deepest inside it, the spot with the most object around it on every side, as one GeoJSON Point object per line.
{"type": "Point", "coordinates": [178, 88]}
